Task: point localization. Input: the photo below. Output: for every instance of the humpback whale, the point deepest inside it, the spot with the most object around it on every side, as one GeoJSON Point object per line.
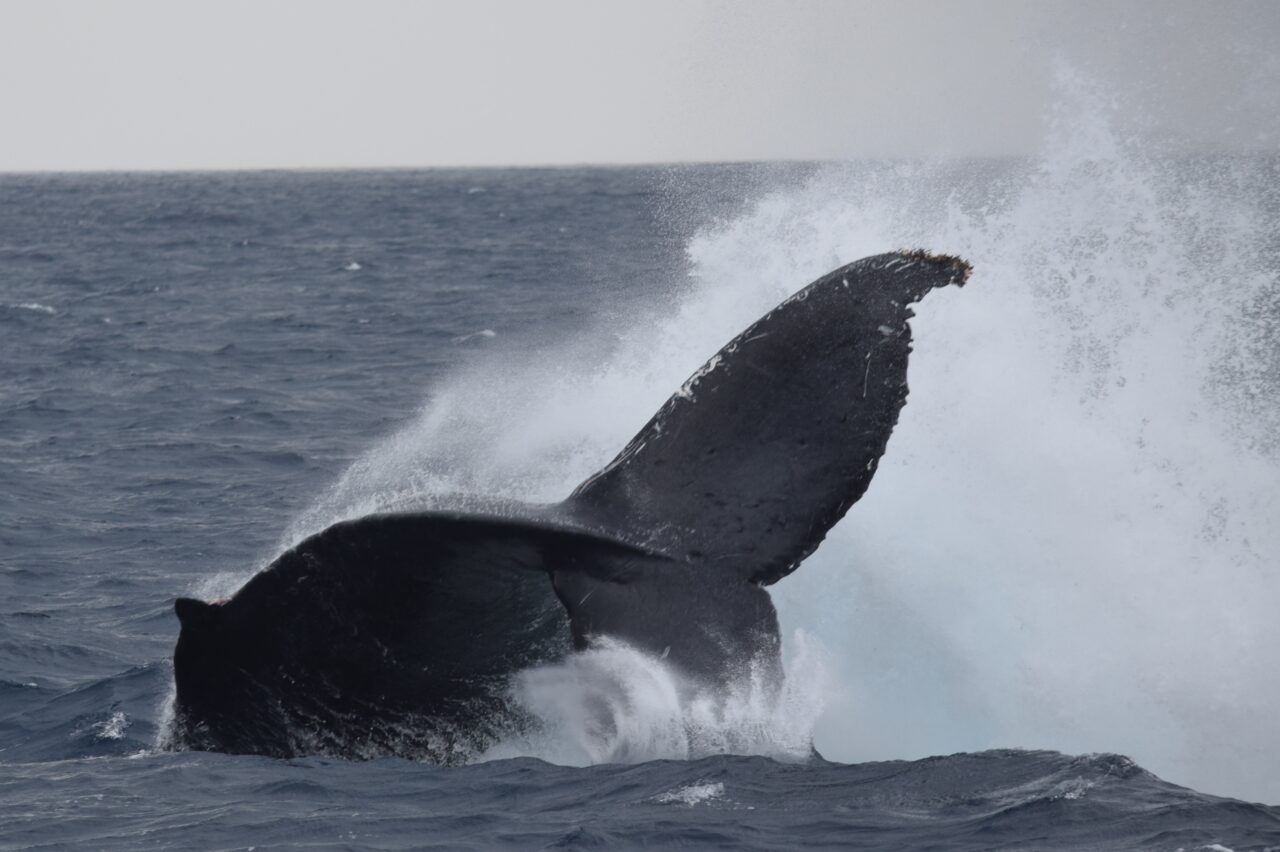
{"type": "Point", "coordinates": [399, 633]}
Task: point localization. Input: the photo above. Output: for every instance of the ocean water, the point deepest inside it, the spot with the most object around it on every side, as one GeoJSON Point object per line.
{"type": "Point", "coordinates": [1070, 552]}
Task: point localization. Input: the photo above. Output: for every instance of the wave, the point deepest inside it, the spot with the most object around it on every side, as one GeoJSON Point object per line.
{"type": "Point", "coordinates": [33, 306]}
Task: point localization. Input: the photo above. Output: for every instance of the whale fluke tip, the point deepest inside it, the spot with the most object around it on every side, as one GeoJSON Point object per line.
{"type": "Point", "coordinates": [959, 268]}
{"type": "Point", "coordinates": [192, 612]}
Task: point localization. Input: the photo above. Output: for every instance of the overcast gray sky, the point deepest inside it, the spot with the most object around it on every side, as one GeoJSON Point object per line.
{"type": "Point", "coordinates": [168, 84]}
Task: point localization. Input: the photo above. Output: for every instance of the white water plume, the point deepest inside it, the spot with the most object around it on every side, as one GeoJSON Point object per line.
{"type": "Point", "coordinates": [1072, 540]}
{"type": "Point", "coordinates": [615, 704]}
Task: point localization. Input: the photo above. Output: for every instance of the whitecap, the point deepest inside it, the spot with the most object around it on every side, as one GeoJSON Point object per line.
{"type": "Point", "coordinates": [113, 728]}
{"type": "Point", "coordinates": [692, 794]}
{"type": "Point", "coordinates": [33, 306]}
{"type": "Point", "coordinates": [485, 333]}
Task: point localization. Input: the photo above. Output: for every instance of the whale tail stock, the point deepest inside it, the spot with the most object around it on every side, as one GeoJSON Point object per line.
{"type": "Point", "coordinates": [377, 634]}
{"type": "Point", "coordinates": [363, 639]}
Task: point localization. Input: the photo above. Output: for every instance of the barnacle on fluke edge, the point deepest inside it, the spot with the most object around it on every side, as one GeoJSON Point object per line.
{"type": "Point", "coordinates": [959, 266]}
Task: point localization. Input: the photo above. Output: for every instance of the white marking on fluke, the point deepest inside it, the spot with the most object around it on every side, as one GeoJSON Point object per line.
{"type": "Point", "coordinates": [686, 390]}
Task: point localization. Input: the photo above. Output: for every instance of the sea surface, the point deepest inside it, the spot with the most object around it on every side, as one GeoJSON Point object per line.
{"type": "Point", "coordinates": [1068, 556]}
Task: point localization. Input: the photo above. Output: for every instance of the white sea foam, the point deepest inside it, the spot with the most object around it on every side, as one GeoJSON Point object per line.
{"type": "Point", "coordinates": [1071, 542]}
{"type": "Point", "coordinates": [165, 714]}
{"type": "Point", "coordinates": [692, 794]}
{"type": "Point", "coordinates": [112, 728]}
{"type": "Point", "coordinates": [484, 333]}
{"type": "Point", "coordinates": [614, 704]}
{"type": "Point", "coordinates": [33, 306]}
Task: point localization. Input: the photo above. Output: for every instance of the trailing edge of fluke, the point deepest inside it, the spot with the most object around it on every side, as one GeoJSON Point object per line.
{"type": "Point", "coordinates": [398, 633]}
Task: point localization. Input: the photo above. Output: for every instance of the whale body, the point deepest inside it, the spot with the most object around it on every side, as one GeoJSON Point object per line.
{"type": "Point", "coordinates": [399, 633]}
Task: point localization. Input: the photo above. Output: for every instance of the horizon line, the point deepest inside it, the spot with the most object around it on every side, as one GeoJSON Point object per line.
{"type": "Point", "coordinates": [638, 164]}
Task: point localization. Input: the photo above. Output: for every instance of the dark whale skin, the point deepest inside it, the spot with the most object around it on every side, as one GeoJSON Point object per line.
{"type": "Point", "coordinates": [398, 633]}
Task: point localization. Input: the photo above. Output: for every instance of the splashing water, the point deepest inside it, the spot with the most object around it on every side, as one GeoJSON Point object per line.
{"type": "Point", "coordinates": [1071, 542]}
{"type": "Point", "coordinates": [615, 704]}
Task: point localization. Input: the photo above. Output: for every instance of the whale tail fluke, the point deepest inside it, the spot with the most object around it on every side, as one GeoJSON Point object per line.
{"type": "Point", "coordinates": [399, 633]}
{"type": "Point", "coordinates": [769, 443]}
{"type": "Point", "coordinates": [376, 621]}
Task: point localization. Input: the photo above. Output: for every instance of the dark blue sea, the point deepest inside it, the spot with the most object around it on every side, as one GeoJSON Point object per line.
{"type": "Point", "coordinates": [1050, 624]}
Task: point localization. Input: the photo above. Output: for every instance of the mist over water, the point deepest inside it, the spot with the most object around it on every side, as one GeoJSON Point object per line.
{"type": "Point", "coordinates": [1071, 541]}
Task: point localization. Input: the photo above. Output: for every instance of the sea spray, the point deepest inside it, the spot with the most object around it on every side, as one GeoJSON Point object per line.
{"type": "Point", "coordinates": [615, 704]}
{"type": "Point", "coordinates": [1070, 543]}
